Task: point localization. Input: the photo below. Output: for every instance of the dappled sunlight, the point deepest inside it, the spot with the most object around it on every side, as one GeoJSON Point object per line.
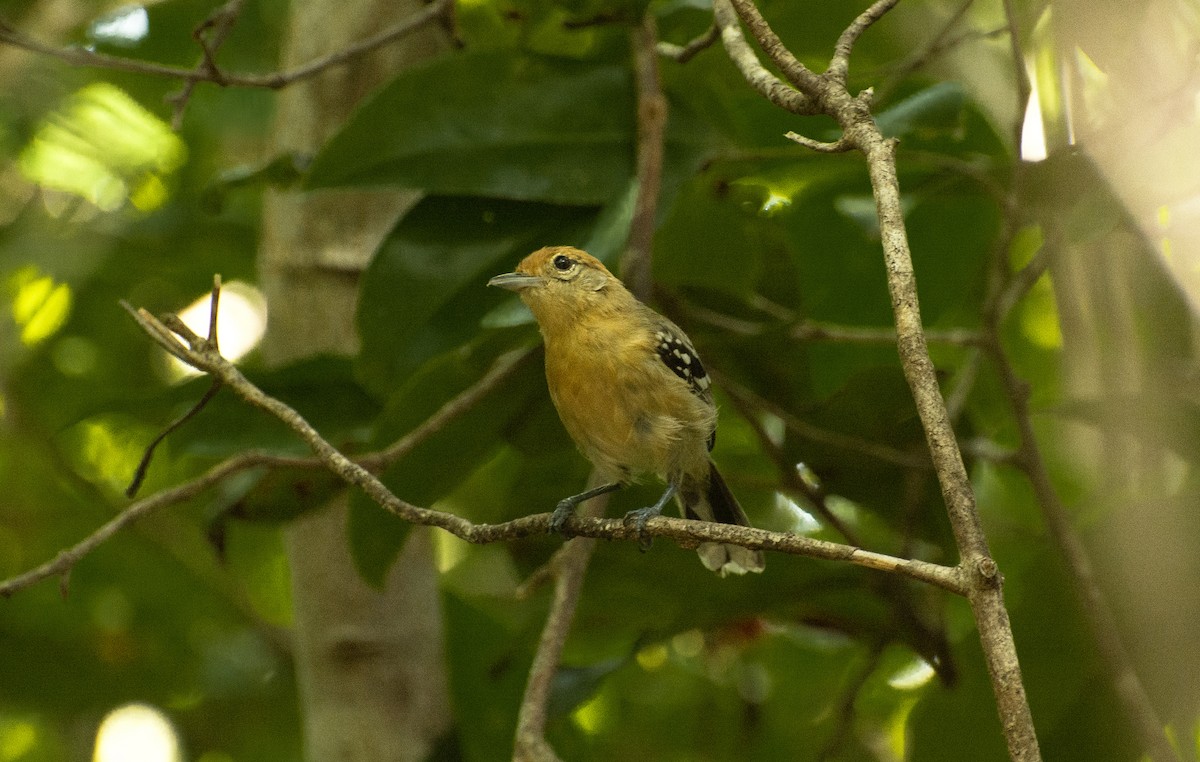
{"type": "Point", "coordinates": [18, 737]}
{"type": "Point", "coordinates": [106, 449]}
{"type": "Point", "coordinates": [800, 521]}
{"type": "Point", "coordinates": [136, 733]}
{"type": "Point", "coordinates": [241, 323]}
{"type": "Point", "coordinates": [591, 716]}
{"type": "Point", "coordinates": [102, 146]}
{"type": "Point", "coordinates": [40, 306]}
{"type": "Point", "coordinates": [916, 674]}
{"type": "Point", "coordinates": [125, 26]}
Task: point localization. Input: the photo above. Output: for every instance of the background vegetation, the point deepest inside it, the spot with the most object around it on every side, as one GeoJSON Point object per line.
{"type": "Point", "coordinates": [1069, 271]}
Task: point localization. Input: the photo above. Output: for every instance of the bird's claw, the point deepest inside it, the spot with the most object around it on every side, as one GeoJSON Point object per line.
{"type": "Point", "coordinates": [639, 518]}
{"type": "Point", "coordinates": [562, 513]}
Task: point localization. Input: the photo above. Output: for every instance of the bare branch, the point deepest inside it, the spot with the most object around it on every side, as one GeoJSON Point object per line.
{"type": "Point", "coordinates": [828, 94]}
{"type": "Point", "coordinates": [220, 23]}
{"type": "Point", "coordinates": [1105, 629]}
{"type": "Point", "coordinates": [839, 66]}
{"type": "Point", "coordinates": [502, 369]}
{"type": "Point", "coordinates": [684, 53]}
{"type": "Point", "coordinates": [1024, 87]}
{"type": "Point", "coordinates": [743, 57]}
{"type": "Point", "coordinates": [882, 452]}
{"type": "Point", "coordinates": [797, 73]}
{"type": "Point", "coordinates": [841, 145]}
{"type": "Point", "coordinates": [62, 564]}
{"type": "Point", "coordinates": [651, 133]}
{"type": "Point", "coordinates": [438, 10]}
{"type": "Point", "coordinates": [940, 43]}
{"type": "Point", "coordinates": [570, 567]}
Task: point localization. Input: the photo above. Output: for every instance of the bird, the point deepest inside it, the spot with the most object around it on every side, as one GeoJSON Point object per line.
{"type": "Point", "coordinates": [631, 392]}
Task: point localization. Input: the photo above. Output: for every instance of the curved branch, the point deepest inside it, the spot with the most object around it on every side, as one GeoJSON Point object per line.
{"type": "Point", "coordinates": [438, 10]}
{"type": "Point", "coordinates": [684, 53]}
{"type": "Point", "coordinates": [62, 563]}
{"type": "Point", "coordinates": [839, 66]}
{"type": "Point", "coordinates": [767, 84]}
{"type": "Point", "coordinates": [828, 94]}
{"type": "Point", "coordinates": [797, 73]}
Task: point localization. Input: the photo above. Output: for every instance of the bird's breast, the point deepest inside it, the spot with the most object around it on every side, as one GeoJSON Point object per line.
{"type": "Point", "coordinates": [626, 414]}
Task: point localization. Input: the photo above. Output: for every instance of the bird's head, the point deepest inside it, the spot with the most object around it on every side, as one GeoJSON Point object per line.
{"type": "Point", "coordinates": [561, 283]}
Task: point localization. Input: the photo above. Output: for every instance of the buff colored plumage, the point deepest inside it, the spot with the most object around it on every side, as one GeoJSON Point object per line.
{"type": "Point", "coordinates": [630, 391]}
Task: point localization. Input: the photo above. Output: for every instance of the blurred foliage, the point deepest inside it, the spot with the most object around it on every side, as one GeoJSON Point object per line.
{"type": "Point", "coordinates": [522, 139]}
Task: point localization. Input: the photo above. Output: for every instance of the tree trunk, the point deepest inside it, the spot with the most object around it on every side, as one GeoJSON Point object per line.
{"type": "Point", "coordinates": [369, 663]}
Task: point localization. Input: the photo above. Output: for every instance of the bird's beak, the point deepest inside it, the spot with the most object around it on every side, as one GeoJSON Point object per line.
{"type": "Point", "coordinates": [516, 281]}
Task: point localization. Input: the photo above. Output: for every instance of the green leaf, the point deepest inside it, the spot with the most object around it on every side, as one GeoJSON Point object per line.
{"type": "Point", "coordinates": [935, 108]}
{"type": "Point", "coordinates": [443, 461]}
{"type": "Point", "coordinates": [426, 289]}
{"type": "Point", "coordinates": [375, 538]}
{"type": "Point", "coordinates": [493, 123]}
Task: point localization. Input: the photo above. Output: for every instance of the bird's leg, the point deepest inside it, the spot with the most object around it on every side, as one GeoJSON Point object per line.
{"type": "Point", "coordinates": [640, 516]}
{"type": "Point", "coordinates": [566, 507]}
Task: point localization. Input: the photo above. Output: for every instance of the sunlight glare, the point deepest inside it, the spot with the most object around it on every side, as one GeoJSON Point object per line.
{"type": "Point", "coordinates": [911, 676]}
{"type": "Point", "coordinates": [124, 26]}
{"type": "Point", "coordinates": [136, 733]}
{"type": "Point", "coordinates": [241, 323]}
{"type": "Point", "coordinates": [1033, 133]}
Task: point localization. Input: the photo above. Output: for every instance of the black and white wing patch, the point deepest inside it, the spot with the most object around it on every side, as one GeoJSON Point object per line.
{"type": "Point", "coordinates": [677, 353]}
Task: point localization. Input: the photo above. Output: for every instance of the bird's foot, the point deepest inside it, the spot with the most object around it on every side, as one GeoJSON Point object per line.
{"type": "Point", "coordinates": [566, 507]}
{"type": "Point", "coordinates": [639, 518]}
{"type": "Point", "coordinates": [562, 513]}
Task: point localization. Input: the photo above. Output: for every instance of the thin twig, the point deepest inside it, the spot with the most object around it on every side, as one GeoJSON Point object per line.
{"type": "Point", "coordinates": [570, 567]}
{"type": "Point", "coordinates": [839, 65]}
{"type": "Point", "coordinates": [437, 10]}
{"type": "Point", "coordinates": [742, 394]}
{"type": "Point", "coordinates": [828, 94]}
{"type": "Point", "coordinates": [502, 369]}
{"type": "Point", "coordinates": [767, 84]}
{"type": "Point", "coordinates": [61, 564]}
{"type": "Point", "coordinates": [139, 473]}
{"type": "Point", "coordinates": [1021, 75]}
{"type": "Point", "coordinates": [938, 44]}
{"type": "Point", "coordinates": [1127, 684]}
{"type": "Point", "coordinates": [812, 330]}
{"type": "Point", "coordinates": [651, 131]}
{"type": "Point", "coordinates": [684, 53]}
{"type": "Point", "coordinates": [841, 145]}
{"type": "Point", "coordinates": [1105, 628]}
{"type": "Point", "coordinates": [797, 73]}
{"type": "Point", "coordinates": [220, 23]}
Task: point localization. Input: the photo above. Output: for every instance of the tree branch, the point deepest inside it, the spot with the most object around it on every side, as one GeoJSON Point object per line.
{"type": "Point", "coordinates": [651, 132]}
{"type": "Point", "coordinates": [220, 22]}
{"type": "Point", "coordinates": [438, 10]}
{"type": "Point", "coordinates": [570, 567]}
{"type": "Point", "coordinates": [62, 563]}
{"type": "Point", "coordinates": [828, 94]}
{"type": "Point", "coordinates": [203, 357]}
{"type": "Point", "coordinates": [839, 65]}
{"type": "Point", "coordinates": [797, 73]}
{"type": "Point", "coordinates": [743, 57]}
{"type": "Point", "coordinates": [1105, 630]}
{"type": "Point", "coordinates": [684, 53]}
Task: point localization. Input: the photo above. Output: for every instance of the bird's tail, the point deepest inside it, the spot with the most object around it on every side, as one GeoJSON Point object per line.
{"type": "Point", "coordinates": [715, 502]}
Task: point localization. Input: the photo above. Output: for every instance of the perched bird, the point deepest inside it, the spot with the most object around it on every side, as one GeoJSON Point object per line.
{"type": "Point", "coordinates": [630, 391]}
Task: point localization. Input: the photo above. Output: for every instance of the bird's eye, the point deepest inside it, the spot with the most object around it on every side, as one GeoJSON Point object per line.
{"type": "Point", "coordinates": [563, 262]}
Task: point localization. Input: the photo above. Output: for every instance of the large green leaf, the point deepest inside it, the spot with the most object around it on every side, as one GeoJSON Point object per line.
{"type": "Point", "coordinates": [426, 290]}
{"type": "Point", "coordinates": [495, 124]}
{"type": "Point", "coordinates": [436, 466]}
